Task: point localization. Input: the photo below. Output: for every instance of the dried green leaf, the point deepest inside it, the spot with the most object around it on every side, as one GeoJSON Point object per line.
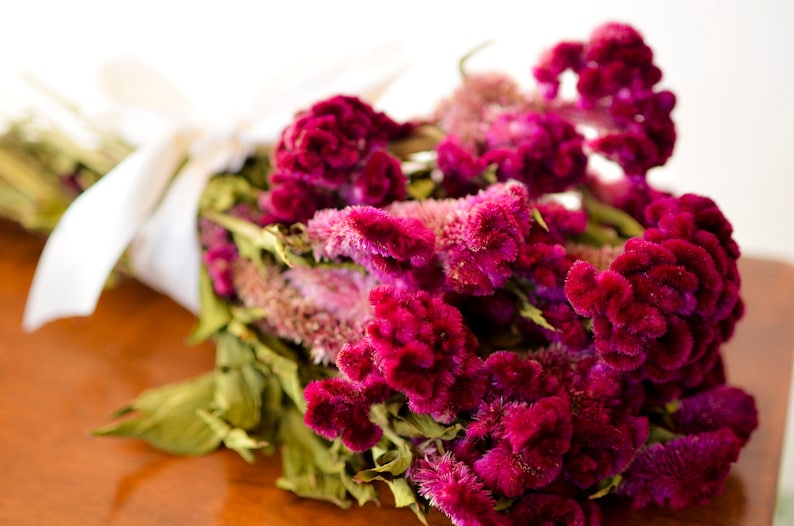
{"type": "Point", "coordinates": [421, 188]}
{"type": "Point", "coordinates": [168, 418]}
{"type": "Point", "coordinates": [414, 425]}
{"type": "Point", "coordinates": [238, 383]}
{"type": "Point", "coordinates": [214, 314]}
{"type": "Point", "coordinates": [235, 439]}
{"type": "Point", "coordinates": [606, 486]}
{"type": "Point", "coordinates": [224, 191]}
{"type": "Point", "coordinates": [536, 215]}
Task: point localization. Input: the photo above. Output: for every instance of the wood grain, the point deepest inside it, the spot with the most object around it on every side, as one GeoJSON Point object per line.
{"type": "Point", "coordinates": [65, 379]}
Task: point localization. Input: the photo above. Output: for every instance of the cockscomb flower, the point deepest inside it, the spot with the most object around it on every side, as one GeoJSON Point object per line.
{"type": "Point", "coordinates": [337, 407]}
{"type": "Point", "coordinates": [477, 238]}
{"type": "Point", "coordinates": [422, 348]}
{"type": "Point", "coordinates": [616, 76]}
{"type": "Point", "coordinates": [714, 409]}
{"type": "Point", "coordinates": [683, 472]}
{"type": "Point", "coordinates": [481, 98]}
{"type": "Point", "coordinates": [542, 150]}
{"type": "Point", "coordinates": [550, 509]}
{"type": "Point", "coordinates": [219, 254]}
{"type": "Point", "coordinates": [334, 154]}
{"type": "Point", "coordinates": [304, 313]}
{"type": "Point", "coordinates": [453, 488]}
{"type": "Point", "coordinates": [394, 248]}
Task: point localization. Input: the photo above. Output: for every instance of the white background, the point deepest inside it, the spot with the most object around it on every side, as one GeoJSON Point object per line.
{"type": "Point", "coordinates": [729, 62]}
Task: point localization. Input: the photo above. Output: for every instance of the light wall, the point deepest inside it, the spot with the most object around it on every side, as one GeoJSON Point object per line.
{"type": "Point", "coordinates": [728, 61]}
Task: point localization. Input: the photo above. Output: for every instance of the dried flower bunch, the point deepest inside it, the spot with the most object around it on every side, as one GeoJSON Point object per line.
{"type": "Point", "coordinates": [464, 309]}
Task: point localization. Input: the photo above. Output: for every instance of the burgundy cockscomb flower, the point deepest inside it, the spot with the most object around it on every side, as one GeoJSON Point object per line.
{"type": "Point", "coordinates": [477, 238]}
{"type": "Point", "coordinates": [475, 104]}
{"type": "Point", "coordinates": [423, 349]}
{"type": "Point", "coordinates": [219, 256]}
{"type": "Point", "coordinates": [549, 509]}
{"type": "Point", "coordinates": [451, 487]}
{"type": "Point", "coordinates": [334, 154]}
{"type": "Point", "coordinates": [337, 407]}
{"type": "Point", "coordinates": [528, 444]}
{"type": "Point", "coordinates": [462, 169]}
{"type": "Point", "coordinates": [542, 150]}
{"type": "Point", "coordinates": [616, 80]}
{"type": "Point", "coordinates": [712, 410]}
{"type": "Point", "coordinates": [683, 472]}
{"type": "Point", "coordinates": [394, 248]}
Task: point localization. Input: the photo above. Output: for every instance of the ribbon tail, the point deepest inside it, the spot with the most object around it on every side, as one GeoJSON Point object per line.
{"type": "Point", "coordinates": [166, 254]}
{"type": "Point", "coordinates": [94, 231]}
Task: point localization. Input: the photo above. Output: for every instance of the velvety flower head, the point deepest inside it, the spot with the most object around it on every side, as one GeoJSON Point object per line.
{"type": "Point", "coordinates": [477, 238]}
{"type": "Point", "coordinates": [453, 488]}
{"type": "Point", "coordinates": [527, 442]}
{"type": "Point", "coordinates": [616, 76]}
{"type": "Point", "coordinates": [715, 409]}
{"type": "Point", "coordinates": [550, 509]}
{"type": "Point", "coordinates": [423, 350]}
{"type": "Point", "coordinates": [462, 168]}
{"type": "Point", "coordinates": [542, 150]}
{"type": "Point", "coordinates": [683, 472]}
{"type": "Point", "coordinates": [300, 306]}
{"type": "Point", "coordinates": [336, 407]}
{"type": "Point", "coordinates": [219, 261]}
{"type": "Point", "coordinates": [334, 154]}
{"type": "Point", "coordinates": [391, 247]}
{"type": "Point", "coordinates": [649, 309]}
{"type": "Point", "coordinates": [475, 104]}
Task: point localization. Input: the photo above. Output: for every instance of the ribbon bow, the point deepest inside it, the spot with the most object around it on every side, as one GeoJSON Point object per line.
{"type": "Point", "coordinates": [134, 206]}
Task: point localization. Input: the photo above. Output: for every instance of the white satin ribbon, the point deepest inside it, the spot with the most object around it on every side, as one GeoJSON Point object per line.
{"type": "Point", "coordinates": [134, 206]}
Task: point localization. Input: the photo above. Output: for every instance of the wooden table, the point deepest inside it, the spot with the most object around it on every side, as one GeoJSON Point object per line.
{"type": "Point", "coordinates": [65, 379]}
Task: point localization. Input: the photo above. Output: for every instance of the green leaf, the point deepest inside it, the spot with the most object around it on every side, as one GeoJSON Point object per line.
{"type": "Point", "coordinates": [168, 418]}
{"type": "Point", "coordinates": [530, 311]}
{"type": "Point", "coordinates": [392, 463]}
{"type": "Point", "coordinates": [414, 425]}
{"type": "Point", "coordinates": [420, 189]}
{"type": "Point", "coordinates": [238, 383]}
{"type": "Point", "coordinates": [269, 238]}
{"type": "Point", "coordinates": [602, 213]}
{"type": "Point", "coordinates": [606, 486]}
{"type": "Point", "coordinates": [309, 467]}
{"type": "Point", "coordinates": [224, 191]}
{"type": "Point", "coordinates": [536, 215]}
{"type": "Point", "coordinates": [214, 314]}
{"type": "Point", "coordinates": [235, 439]}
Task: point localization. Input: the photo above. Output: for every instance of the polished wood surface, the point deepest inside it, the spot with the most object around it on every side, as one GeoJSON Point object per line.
{"type": "Point", "coordinates": [60, 382]}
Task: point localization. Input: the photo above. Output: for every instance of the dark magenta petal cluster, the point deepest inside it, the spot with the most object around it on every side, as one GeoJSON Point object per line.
{"type": "Point", "coordinates": [657, 302]}
{"type": "Point", "coordinates": [684, 472]}
{"type": "Point", "coordinates": [553, 509]}
{"type": "Point", "coordinates": [334, 154]}
{"type": "Point", "coordinates": [449, 485]}
{"type": "Point", "coordinates": [617, 75]}
{"type": "Point", "coordinates": [337, 407]}
{"type": "Point", "coordinates": [541, 150]}
{"type": "Point", "coordinates": [479, 238]}
{"type": "Point", "coordinates": [717, 408]}
{"type": "Point", "coordinates": [422, 348]}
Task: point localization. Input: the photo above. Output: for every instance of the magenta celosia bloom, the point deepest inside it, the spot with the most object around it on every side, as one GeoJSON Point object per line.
{"type": "Point", "coordinates": [423, 349]}
{"type": "Point", "coordinates": [542, 150]}
{"type": "Point", "coordinates": [462, 169]}
{"type": "Point", "coordinates": [549, 509]}
{"type": "Point", "coordinates": [218, 256]}
{"type": "Point", "coordinates": [394, 248]}
{"type": "Point", "coordinates": [301, 307]}
{"type": "Point", "coordinates": [337, 407]}
{"type": "Point", "coordinates": [477, 238]}
{"type": "Point", "coordinates": [714, 409]}
{"type": "Point", "coordinates": [334, 154]}
{"type": "Point", "coordinates": [450, 486]}
{"type": "Point", "coordinates": [475, 104]}
{"type": "Point", "coordinates": [616, 76]}
{"type": "Point", "coordinates": [683, 472]}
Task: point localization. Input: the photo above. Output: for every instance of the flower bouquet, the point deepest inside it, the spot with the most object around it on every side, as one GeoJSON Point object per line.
{"type": "Point", "coordinates": [460, 307]}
